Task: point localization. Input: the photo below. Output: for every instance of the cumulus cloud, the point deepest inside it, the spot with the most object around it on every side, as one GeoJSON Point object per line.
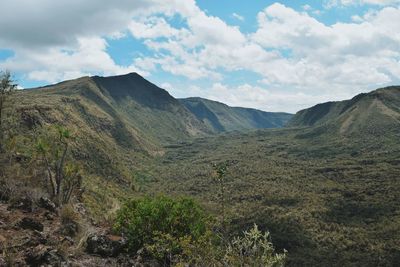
{"type": "Point", "coordinates": [55, 40]}
{"type": "Point", "coordinates": [300, 60]}
{"type": "Point", "coordinates": [88, 57]}
{"type": "Point", "coordinates": [352, 54]}
{"type": "Point", "coordinates": [334, 3]}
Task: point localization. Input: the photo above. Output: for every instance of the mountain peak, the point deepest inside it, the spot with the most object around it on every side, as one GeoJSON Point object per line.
{"type": "Point", "coordinates": [132, 85]}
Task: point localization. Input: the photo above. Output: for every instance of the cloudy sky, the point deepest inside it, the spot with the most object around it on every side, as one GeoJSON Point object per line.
{"type": "Point", "coordinates": [275, 56]}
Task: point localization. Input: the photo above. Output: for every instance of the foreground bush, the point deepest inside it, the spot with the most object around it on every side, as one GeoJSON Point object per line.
{"type": "Point", "coordinates": [141, 220]}
{"type": "Point", "coordinates": [254, 248]}
{"type": "Point", "coordinates": [176, 232]}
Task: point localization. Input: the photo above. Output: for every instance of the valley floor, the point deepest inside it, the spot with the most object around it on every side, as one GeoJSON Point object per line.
{"type": "Point", "coordinates": [328, 200]}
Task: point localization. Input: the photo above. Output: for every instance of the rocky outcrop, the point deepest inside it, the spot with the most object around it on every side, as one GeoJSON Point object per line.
{"type": "Point", "coordinates": [41, 255]}
{"type": "Point", "coordinates": [105, 245]}
{"type": "Point", "coordinates": [47, 204]}
{"type": "Point", "coordinates": [29, 223]}
{"type": "Point", "coordinates": [24, 204]}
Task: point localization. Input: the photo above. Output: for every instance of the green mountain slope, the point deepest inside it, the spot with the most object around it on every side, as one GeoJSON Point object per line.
{"type": "Point", "coordinates": [132, 111]}
{"type": "Point", "coordinates": [221, 117]}
{"type": "Point", "coordinates": [115, 117]}
{"type": "Point", "coordinates": [117, 122]}
{"type": "Point", "coordinates": [373, 113]}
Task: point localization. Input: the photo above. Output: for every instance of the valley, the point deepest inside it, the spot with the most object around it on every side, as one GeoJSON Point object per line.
{"type": "Point", "coordinates": [324, 182]}
{"type": "Point", "coordinates": [326, 200]}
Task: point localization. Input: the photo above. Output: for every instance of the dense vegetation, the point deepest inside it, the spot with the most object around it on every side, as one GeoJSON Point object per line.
{"type": "Point", "coordinates": [177, 232]}
{"type": "Point", "coordinates": [326, 199]}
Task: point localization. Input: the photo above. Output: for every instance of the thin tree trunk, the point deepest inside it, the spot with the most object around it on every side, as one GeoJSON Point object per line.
{"type": "Point", "coordinates": [60, 168]}
{"type": "Point", "coordinates": [51, 179]}
{"type": "Point", "coordinates": [1, 121]}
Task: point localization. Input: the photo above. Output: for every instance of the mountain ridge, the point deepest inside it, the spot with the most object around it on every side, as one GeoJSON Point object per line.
{"type": "Point", "coordinates": [227, 118]}
{"type": "Point", "coordinates": [369, 113]}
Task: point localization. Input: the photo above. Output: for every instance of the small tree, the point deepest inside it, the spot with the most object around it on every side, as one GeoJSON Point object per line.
{"type": "Point", "coordinates": [254, 248]}
{"type": "Point", "coordinates": [147, 221]}
{"type": "Point", "coordinates": [7, 87]}
{"type": "Point", "coordinates": [62, 177]}
{"type": "Point", "coordinates": [220, 178]}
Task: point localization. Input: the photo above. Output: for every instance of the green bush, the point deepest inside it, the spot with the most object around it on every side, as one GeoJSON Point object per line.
{"type": "Point", "coordinates": [177, 232]}
{"type": "Point", "coordinates": [254, 248]}
{"type": "Point", "coordinates": [141, 220]}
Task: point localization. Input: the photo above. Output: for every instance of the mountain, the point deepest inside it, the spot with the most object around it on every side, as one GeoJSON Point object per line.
{"type": "Point", "coordinates": [221, 117]}
{"type": "Point", "coordinates": [115, 117]}
{"type": "Point", "coordinates": [374, 113]}
{"type": "Point", "coordinates": [127, 110]}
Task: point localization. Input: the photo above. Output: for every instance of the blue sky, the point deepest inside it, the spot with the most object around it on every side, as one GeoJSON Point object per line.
{"type": "Point", "coordinates": [271, 55]}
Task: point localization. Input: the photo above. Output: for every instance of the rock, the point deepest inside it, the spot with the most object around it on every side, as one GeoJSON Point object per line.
{"type": "Point", "coordinates": [47, 204]}
{"type": "Point", "coordinates": [23, 203]}
{"type": "Point", "coordinates": [41, 255]}
{"type": "Point", "coordinates": [68, 240]}
{"type": "Point", "coordinates": [29, 223]}
{"type": "Point", "coordinates": [105, 245]}
{"type": "Point", "coordinates": [49, 215]}
{"type": "Point", "coordinates": [39, 236]}
{"type": "Point", "coordinates": [54, 258]}
{"type": "Point", "coordinates": [69, 229]}
{"type": "Point", "coordinates": [80, 208]}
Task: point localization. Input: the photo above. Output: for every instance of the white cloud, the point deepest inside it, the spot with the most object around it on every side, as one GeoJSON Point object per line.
{"type": "Point", "coordinates": [299, 58]}
{"type": "Point", "coordinates": [87, 57]}
{"type": "Point", "coordinates": [153, 27]}
{"type": "Point", "coordinates": [334, 3]}
{"type": "Point", "coordinates": [237, 16]}
{"type": "Point", "coordinates": [167, 86]}
{"type": "Point", "coordinates": [345, 54]}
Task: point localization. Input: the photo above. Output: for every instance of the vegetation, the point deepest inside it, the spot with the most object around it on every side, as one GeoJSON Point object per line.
{"type": "Point", "coordinates": [253, 249]}
{"type": "Point", "coordinates": [324, 198]}
{"type": "Point", "coordinates": [7, 87]}
{"type": "Point", "coordinates": [220, 178]}
{"type": "Point", "coordinates": [142, 219]}
{"type": "Point", "coordinates": [177, 232]}
{"type": "Point", "coordinates": [63, 177]}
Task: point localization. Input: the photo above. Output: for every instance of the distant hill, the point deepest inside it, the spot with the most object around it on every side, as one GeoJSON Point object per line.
{"type": "Point", "coordinates": [221, 117]}
{"type": "Point", "coordinates": [374, 113]}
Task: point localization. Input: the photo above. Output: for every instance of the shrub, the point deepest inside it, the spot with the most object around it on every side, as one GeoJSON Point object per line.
{"type": "Point", "coordinates": [253, 249]}
{"type": "Point", "coordinates": [146, 219]}
{"type": "Point", "coordinates": [176, 233]}
{"type": "Point", "coordinates": [68, 214]}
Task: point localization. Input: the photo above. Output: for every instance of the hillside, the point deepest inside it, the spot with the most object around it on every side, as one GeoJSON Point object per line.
{"type": "Point", "coordinates": [221, 117]}
{"type": "Point", "coordinates": [369, 113]}
{"type": "Point", "coordinates": [132, 107]}
{"type": "Point", "coordinates": [114, 130]}
{"type": "Point", "coordinates": [118, 122]}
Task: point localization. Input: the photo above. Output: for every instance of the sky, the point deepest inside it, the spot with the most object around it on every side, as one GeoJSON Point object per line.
{"type": "Point", "coordinates": [270, 55]}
